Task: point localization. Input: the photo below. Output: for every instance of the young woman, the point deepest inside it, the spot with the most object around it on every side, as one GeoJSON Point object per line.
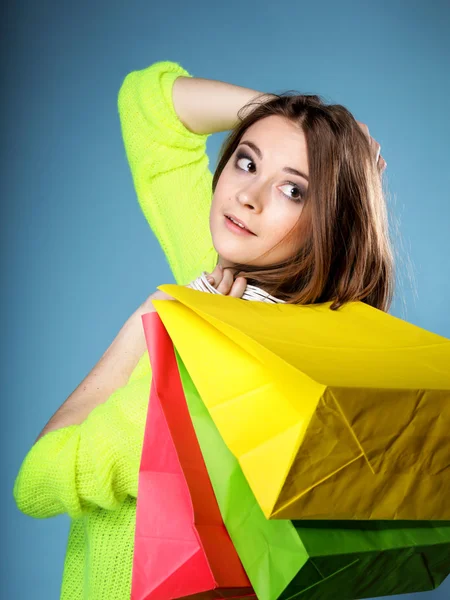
{"type": "Point", "coordinates": [303, 179]}
{"type": "Point", "coordinates": [319, 231]}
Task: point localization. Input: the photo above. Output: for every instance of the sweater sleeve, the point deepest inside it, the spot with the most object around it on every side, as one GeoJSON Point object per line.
{"type": "Point", "coordinates": [78, 468]}
{"type": "Point", "coordinates": [169, 167]}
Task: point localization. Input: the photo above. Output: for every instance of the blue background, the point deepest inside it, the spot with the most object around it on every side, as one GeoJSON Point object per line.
{"type": "Point", "coordinates": [77, 256]}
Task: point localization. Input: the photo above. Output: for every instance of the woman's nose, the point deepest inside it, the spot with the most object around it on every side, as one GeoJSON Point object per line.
{"type": "Point", "coordinates": [251, 196]}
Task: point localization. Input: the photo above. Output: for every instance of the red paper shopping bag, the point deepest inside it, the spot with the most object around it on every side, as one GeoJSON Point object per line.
{"type": "Point", "coordinates": [181, 545]}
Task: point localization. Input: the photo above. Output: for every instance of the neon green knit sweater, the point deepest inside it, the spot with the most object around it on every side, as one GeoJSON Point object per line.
{"type": "Point", "coordinates": [90, 471]}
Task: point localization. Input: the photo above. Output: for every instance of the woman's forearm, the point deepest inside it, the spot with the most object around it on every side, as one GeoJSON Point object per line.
{"type": "Point", "coordinates": [207, 106]}
{"type": "Point", "coordinates": [110, 373]}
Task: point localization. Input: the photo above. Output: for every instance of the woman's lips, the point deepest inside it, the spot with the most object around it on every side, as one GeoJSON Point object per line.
{"type": "Point", "coordinates": [235, 228]}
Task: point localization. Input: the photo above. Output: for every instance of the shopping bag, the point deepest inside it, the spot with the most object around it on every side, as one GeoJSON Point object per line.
{"type": "Point", "coordinates": [316, 560]}
{"type": "Point", "coordinates": [181, 546]}
{"type": "Point", "coordinates": [332, 414]}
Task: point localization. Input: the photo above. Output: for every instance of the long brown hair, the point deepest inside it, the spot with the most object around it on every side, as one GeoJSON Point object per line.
{"type": "Point", "coordinates": [345, 253]}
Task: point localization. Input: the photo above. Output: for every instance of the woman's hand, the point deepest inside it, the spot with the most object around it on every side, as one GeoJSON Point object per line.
{"type": "Point", "coordinates": [223, 281]}
{"type": "Point", "coordinates": [375, 147]}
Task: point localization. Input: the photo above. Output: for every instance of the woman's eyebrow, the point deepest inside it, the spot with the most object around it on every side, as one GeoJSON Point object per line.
{"type": "Point", "coordinates": [258, 152]}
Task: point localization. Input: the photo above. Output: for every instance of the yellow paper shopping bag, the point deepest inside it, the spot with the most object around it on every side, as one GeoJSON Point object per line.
{"type": "Point", "coordinates": [332, 414]}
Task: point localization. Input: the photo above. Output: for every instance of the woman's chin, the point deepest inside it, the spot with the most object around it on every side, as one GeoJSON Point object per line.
{"type": "Point", "coordinates": [232, 249]}
{"type": "Point", "coordinates": [228, 255]}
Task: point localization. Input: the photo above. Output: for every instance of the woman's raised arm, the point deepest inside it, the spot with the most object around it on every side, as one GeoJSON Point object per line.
{"type": "Point", "coordinates": [168, 160]}
{"type": "Point", "coordinates": [206, 106]}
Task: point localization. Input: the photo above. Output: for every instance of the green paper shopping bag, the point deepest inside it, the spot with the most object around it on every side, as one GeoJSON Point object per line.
{"type": "Point", "coordinates": [336, 560]}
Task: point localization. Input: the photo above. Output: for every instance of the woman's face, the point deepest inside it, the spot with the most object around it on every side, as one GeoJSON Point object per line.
{"type": "Point", "coordinates": [261, 194]}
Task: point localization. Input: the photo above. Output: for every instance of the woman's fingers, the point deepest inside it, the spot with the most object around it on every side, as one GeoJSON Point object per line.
{"type": "Point", "coordinates": [215, 277]}
{"type": "Point", "coordinates": [364, 129]}
{"type": "Point", "coordinates": [223, 281]}
{"type": "Point", "coordinates": [226, 283]}
{"type": "Point", "coordinates": [238, 287]}
{"type": "Point", "coordinates": [374, 146]}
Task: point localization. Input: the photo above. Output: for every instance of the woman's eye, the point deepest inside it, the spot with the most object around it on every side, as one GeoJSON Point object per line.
{"type": "Point", "coordinates": [299, 194]}
{"type": "Point", "coordinates": [243, 157]}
